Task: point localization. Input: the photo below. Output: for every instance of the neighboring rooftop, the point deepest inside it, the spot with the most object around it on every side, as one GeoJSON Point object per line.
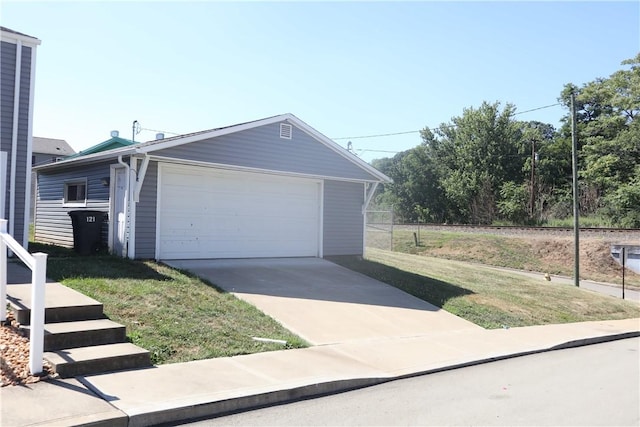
{"type": "Point", "coordinates": [56, 147]}
{"type": "Point", "coordinates": [110, 144]}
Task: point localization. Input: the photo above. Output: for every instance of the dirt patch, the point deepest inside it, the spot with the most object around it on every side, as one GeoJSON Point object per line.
{"type": "Point", "coordinates": [544, 254]}
{"type": "Point", "coordinates": [596, 262]}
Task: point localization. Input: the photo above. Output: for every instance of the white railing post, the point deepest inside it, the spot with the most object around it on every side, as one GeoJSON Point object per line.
{"type": "Point", "coordinates": [36, 338]}
{"type": "Point", "coordinates": [3, 271]}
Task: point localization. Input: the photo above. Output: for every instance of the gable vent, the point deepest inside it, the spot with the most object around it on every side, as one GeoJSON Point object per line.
{"type": "Point", "coordinates": [285, 130]}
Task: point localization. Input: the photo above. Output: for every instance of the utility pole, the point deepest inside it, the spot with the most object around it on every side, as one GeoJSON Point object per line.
{"type": "Point", "coordinates": [533, 177]}
{"type": "Point", "coordinates": [576, 222]}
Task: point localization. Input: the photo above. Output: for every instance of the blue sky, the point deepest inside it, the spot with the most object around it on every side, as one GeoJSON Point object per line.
{"type": "Point", "coordinates": [345, 68]}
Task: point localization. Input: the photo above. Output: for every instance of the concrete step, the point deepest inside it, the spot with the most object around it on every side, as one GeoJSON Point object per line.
{"type": "Point", "coordinates": [97, 359]}
{"type": "Point", "coordinates": [62, 304]}
{"type": "Point", "coordinates": [81, 334]}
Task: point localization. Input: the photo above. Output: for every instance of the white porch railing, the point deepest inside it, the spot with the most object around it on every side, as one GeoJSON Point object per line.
{"type": "Point", "coordinates": [38, 265]}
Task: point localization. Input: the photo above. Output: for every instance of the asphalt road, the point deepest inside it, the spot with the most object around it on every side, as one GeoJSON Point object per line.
{"type": "Point", "coordinates": [584, 386]}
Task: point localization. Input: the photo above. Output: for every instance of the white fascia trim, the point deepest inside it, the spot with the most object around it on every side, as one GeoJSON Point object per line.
{"type": "Point", "coordinates": [151, 146]}
{"type": "Point", "coordinates": [224, 166]}
{"type": "Point", "coordinates": [27, 195]}
{"type": "Point", "coordinates": [14, 139]}
{"type": "Point", "coordinates": [89, 158]}
{"type": "Point", "coordinates": [155, 145]}
{"type": "Point", "coordinates": [337, 148]}
{"type": "Point", "coordinates": [14, 38]}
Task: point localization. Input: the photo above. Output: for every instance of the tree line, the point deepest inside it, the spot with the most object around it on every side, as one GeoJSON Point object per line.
{"type": "Point", "coordinates": [486, 166]}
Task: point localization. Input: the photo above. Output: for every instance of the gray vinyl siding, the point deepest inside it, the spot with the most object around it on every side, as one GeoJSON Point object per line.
{"type": "Point", "coordinates": [7, 89]}
{"type": "Point", "coordinates": [146, 214]}
{"type": "Point", "coordinates": [343, 219]}
{"type": "Point", "coordinates": [263, 148]}
{"type": "Point", "coordinates": [7, 80]}
{"type": "Point", "coordinates": [38, 159]}
{"type": "Point", "coordinates": [53, 223]}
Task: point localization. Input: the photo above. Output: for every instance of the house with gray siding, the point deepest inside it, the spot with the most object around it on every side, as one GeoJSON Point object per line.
{"type": "Point", "coordinates": [46, 150]}
{"type": "Point", "coordinates": [17, 79]}
{"type": "Point", "coordinates": [273, 187]}
{"type": "Point", "coordinates": [49, 150]}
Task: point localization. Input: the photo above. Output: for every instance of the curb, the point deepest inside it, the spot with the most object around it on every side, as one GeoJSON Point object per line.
{"type": "Point", "coordinates": [280, 397]}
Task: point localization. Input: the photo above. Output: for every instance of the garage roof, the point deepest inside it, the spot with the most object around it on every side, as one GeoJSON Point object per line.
{"type": "Point", "coordinates": [151, 146]}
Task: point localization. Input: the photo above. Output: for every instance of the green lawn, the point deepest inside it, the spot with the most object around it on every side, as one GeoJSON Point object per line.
{"type": "Point", "coordinates": [488, 298]}
{"type": "Point", "coordinates": [174, 315]}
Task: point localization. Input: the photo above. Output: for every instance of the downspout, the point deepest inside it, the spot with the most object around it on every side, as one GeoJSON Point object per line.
{"type": "Point", "coordinates": [126, 206]}
{"type": "Point", "coordinates": [14, 139]}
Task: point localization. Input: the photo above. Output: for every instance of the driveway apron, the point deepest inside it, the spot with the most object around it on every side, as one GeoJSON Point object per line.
{"type": "Point", "coordinates": [322, 302]}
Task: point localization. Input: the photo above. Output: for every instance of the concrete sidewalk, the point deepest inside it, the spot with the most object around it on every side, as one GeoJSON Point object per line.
{"type": "Point", "coordinates": [170, 393]}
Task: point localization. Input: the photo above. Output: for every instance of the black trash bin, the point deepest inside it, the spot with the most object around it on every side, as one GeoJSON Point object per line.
{"type": "Point", "coordinates": [87, 231]}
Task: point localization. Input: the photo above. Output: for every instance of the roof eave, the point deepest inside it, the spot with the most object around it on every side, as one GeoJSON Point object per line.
{"type": "Point", "coordinates": [10, 36]}
{"type": "Point", "coordinates": [89, 158]}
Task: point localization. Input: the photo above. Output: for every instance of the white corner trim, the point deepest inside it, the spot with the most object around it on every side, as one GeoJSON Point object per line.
{"type": "Point", "coordinates": [3, 182]}
{"type": "Point", "coordinates": [321, 219]}
{"type": "Point", "coordinates": [27, 196]}
{"type": "Point", "coordinates": [14, 139]}
{"type": "Point", "coordinates": [161, 168]}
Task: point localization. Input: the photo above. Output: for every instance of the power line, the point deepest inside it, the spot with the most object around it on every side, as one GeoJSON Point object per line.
{"type": "Point", "coordinates": [159, 131]}
{"type": "Point", "coordinates": [435, 127]}
{"type": "Point", "coordinates": [379, 135]}
{"type": "Point", "coordinates": [536, 109]}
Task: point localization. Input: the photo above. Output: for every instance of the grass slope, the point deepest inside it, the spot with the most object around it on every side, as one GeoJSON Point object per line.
{"type": "Point", "coordinates": [488, 298]}
{"type": "Point", "coordinates": [174, 315]}
{"type": "Point", "coordinates": [546, 254]}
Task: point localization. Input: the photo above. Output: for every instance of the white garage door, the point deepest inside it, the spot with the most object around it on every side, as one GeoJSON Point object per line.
{"type": "Point", "coordinates": [208, 213]}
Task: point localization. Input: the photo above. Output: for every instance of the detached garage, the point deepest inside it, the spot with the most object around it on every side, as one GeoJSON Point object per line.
{"type": "Point", "coordinates": [269, 188]}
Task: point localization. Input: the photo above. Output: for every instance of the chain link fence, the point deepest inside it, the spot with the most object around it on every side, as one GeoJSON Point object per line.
{"type": "Point", "coordinates": [379, 229]}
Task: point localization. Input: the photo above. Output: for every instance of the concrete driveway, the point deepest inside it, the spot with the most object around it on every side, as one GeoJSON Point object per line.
{"type": "Point", "coordinates": [322, 302]}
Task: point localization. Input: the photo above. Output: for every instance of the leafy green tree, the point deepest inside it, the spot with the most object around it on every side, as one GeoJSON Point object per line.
{"type": "Point", "coordinates": [476, 153]}
{"type": "Point", "coordinates": [414, 193]}
{"type": "Point", "coordinates": [609, 140]}
{"type": "Point", "coordinates": [513, 202]}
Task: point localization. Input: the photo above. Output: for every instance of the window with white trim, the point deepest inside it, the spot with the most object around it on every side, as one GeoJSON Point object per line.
{"type": "Point", "coordinates": [75, 193]}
